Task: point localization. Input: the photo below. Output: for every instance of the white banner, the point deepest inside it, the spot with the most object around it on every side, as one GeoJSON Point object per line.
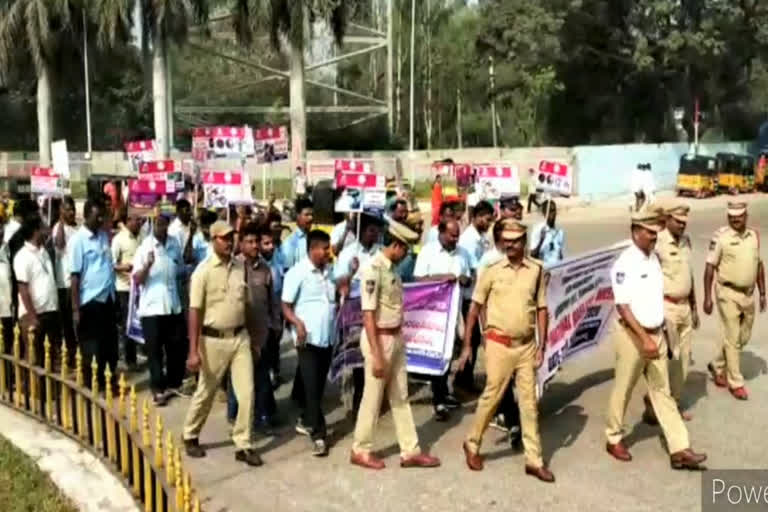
{"type": "Point", "coordinates": [580, 304]}
{"type": "Point", "coordinates": [60, 158]}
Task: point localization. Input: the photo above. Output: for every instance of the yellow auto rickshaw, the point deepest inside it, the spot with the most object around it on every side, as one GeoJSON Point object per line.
{"type": "Point", "coordinates": [730, 176]}
{"type": "Point", "coordinates": [697, 176]}
{"type": "Point", "coordinates": [747, 182]}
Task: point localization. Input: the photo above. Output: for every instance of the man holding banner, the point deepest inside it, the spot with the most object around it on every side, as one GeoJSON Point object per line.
{"type": "Point", "coordinates": [641, 344]}
{"type": "Point", "coordinates": [510, 290]}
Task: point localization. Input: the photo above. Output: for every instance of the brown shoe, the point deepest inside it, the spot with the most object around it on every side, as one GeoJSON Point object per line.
{"type": "Point", "coordinates": [687, 459]}
{"type": "Point", "coordinates": [619, 451]}
{"type": "Point", "coordinates": [719, 378]}
{"type": "Point", "coordinates": [474, 460]}
{"type": "Point", "coordinates": [739, 393]}
{"type": "Point", "coordinates": [422, 460]}
{"type": "Point", "coordinates": [649, 415]}
{"type": "Point", "coordinates": [367, 461]}
{"type": "Point", "coordinates": [541, 473]}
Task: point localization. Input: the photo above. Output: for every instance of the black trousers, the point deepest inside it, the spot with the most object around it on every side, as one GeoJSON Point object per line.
{"type": "Point", "coordinates": [263, 395]}
{"type": "Point", "coordinates": [466, 377]}
{"type": "Point", "coordinates": [439, 388]}
{"type": "Point", "coordinates": [314, 363]}
{"type": "Point", "coordinates": [166, 350]}
{"type": "Point", "coordinates": [7, 323]}
{"type": "Point", "coordinates": [67, 326]}
{"type": "Point", "coordinates": [127, 345]}
{"type": "Point", "coordinates": [97, 334]}
{"type": "Point", "coordinates": [272, 348]}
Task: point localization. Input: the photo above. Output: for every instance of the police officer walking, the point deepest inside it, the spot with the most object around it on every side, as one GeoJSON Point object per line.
{"type": "Point", "coordinates": [511, 290]}
{"type": "Point", "coordinates": [734, 253]}
{"type": "Point", "coordinates": [381, 342]}
{"type": "Point", "coordinates": [218, 340]}
{"type": "Point", "coordinates": [641, 345]}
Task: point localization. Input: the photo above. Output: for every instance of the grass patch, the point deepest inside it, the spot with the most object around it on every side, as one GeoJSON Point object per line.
{"type": "Point", "coordinates": [24, 487]}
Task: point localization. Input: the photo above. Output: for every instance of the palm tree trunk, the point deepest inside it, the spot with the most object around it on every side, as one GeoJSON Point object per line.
{"type": "Point", "coordinates": [44, 116]}
{"type": "Point", "coordinates": [298, 112]}
{"type": "Point", "coordinates": [159, 90]}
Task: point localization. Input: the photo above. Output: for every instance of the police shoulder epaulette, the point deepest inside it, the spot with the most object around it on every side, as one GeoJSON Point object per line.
{"type": "Point", "coordinates": [535, 261]}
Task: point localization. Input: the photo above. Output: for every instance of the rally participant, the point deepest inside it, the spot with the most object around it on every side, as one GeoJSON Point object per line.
{"type": "Point", "coordinates": [200, 248]}
{"type": "Point", "coordinates": [309, 307]}
{"type": "Point", "coordinates": [124, 247]}
{"type": "Point", "coordinates": [641, 345]}
{"type": "Point", "coordinates": [359, 253]}
{"type": "Point", "coordinates": [734, 253]}
{"type": "Point", "coordinates": [511, 290]}
{"type": "Point", "coordinates": [511, 208]}
{"type": "Point", "coordinates": [476, 243]}
{"type": "Point", "coordinates": [181, 227]}
{"type": "Point", "coordinates": [447, 212]}
{"type": "Point", "coordinates": [63, 231]}
{"type": "Point", "coordinates": [444, 260]}
{"type": "Point", "coordinates": [271, 352]}
{"type": "Point", "coordinates": [343, 233]}
{"type": "Point", "coordinates": [398, 212]}
{"type": "Point", "coordinates": [548, 240]}
{"type": "Point", "coordinates": [217, 340]}
{"type": "Point", "coordinates": [294, 248]}
{"type": "Point", "coordinates": [157, 268]}
{"type": "Point", "coordinates": [260, 285]}
{"type": "Point", "coordinates": [38, 300]}
{"type": "Point", "coordinates": [6, 301]}
{"type": "Point", "coordinates": [93, 292]}
{"type": "Point", "coordinates": [384, 352]}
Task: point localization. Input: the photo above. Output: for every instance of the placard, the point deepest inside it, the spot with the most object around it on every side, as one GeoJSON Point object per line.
{"type": "Point", "coordinates": [140, 151]}
{"type": "Point", "coordinates": [352, 166]}
{"type": "Point", "coordinates": [359, 180]}
{"type": "Point", "coordinates": [495, 181]}
{"type": "Point", "coordinates": [60, 157]}
{"type": "Point", "coordinates": [43, 180]}
{"type": "Point", "coordinates": [375, 198]}
{"type": "Point", "coordinates": [163, 170]}
{"type": "Point", "coordinates": [222, 142]}
{"type": "Point", "coordinates": [221, 187]}
{"type": "Point", "coordinates": [554, 177]}
{"type": "Point", "coordinates": [271, 143]}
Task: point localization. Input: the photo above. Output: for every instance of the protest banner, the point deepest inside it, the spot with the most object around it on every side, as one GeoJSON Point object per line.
{"type": "Point", "coordinates": [140, 151]}
{"type": "Point", "coordinates": [353, 166]}
{"type": "Point", "coordinates": [495, 181]}
{"type": "Point", "coordinates": [145, 193]}
{"type": "Point", "coordinates": [374, 198]}
{"type": "Point", "coordinates": [580, 304]}
{"type": "Point", "coordinates": [222, 142]}
{"type": "Point", "coordinates": [271, 143]}
{"type": "Point", "coordinates": [43, 180]}
{"type": "Point", "coordinates": [554, 177]}
{"type": "Point", "coordinates": [221, 187]}
{"type": "Point", "coordinates": [133, 323]}
{"type": "Point", "coordinates": [359, 180]}
{"type": "Point", "coordinates": [429, 329]}
{"type": "Point", "coordinates": [60, 157]}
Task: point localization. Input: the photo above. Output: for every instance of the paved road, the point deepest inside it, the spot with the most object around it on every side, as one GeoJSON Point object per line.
{"type": "Point", "coordinates": [572, 424]}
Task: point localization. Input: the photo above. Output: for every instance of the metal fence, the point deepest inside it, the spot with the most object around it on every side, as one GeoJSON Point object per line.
{"type": "Point", "coordinates": [147, 460]}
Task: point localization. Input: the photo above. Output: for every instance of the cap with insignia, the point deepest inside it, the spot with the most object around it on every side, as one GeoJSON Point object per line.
{"type": "Point", "coordinates": [221, 228]}
{"type": "Point", "coordinates": [650, 220]}
{"type": "Point", "coordinates": [736, 209]}
{"type": "Point", "coordinates": [403, 232]}
{"type": "Point", "coordinates": [679, 212]}
{"type": "Point", "coordinates": [513, 230]}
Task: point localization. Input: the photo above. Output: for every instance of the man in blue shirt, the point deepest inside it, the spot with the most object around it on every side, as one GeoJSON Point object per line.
{"type": "Point", "coordinates": [294, 248]}
{"type": "Point", "coordinates": [309, 306]}
{"type": "Point", "coordinates": [548, 240]}
{"type": "Point", "coordinates": [93, 292]}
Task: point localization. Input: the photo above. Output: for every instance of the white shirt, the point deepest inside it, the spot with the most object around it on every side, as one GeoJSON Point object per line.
{"type": "Point", "coordinates": [343, 265]}
{"type": "Point", "coordinates": [301, 185]}
{"type": "Point", "coordinates": [180, 232]}
{"type": "Point", "coordinates": [642, 181]}
{"type": "Point", "coordinates": [63, 275]}
{"type": "Point", "coordinates": [159, 295]}
{"type": "Point", "coordinates": [5, 283]}
{"type": "Point", "coordinates": [432, 235]}
{"type": "Point", "coordinates": [638, 282]}
{"type": "Point", "coordinates": [338, 231]}
{"type": "Point", "coordinates": [33, 266]}
{"type": "Point", "coordinates": [434, 260]}
{"type": "Point", "coordinates": [10, 229]}
{"type": "Point", "coordinates": [476, 245]}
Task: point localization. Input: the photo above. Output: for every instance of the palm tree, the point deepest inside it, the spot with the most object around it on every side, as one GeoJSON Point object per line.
{"type": "Point", "coordinates": [289, 25]}
{"type": "Point", "coordinates": [161, 22]}
{"type": "Point", "coordinates": [34, 32]}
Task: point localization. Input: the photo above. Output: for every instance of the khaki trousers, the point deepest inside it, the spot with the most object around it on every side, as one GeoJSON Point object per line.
{"type": "Point", "coordinates": [217, 355]}
{"type": "Point", "coordinates": [679, 322]}
{"type": "Point", "coordinates": [396, 386]}
{"type": "Point", "coordinates": [737, 314]}
{"type": "Point", "coordinates": [501, 362]}
{"type": "Point", "coordinates": [630, 365]}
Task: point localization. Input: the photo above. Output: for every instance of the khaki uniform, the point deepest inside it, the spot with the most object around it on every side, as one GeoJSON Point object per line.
{"type": "Point", "coordinates": [511, 296]}
{"type": "Point", "coordinates": [675, 259]}
{"type": "Point", "coordinates": [735, 257]}
{"type": "Point", "coordinates": [219, 291]}
{"type": "Point", "coordinates": [382, 292]}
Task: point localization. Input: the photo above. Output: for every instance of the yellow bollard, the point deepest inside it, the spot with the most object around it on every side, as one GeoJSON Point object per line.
{"type": "Point", "coordinates": [3, 384]}
{"type": "Point", "coordinates": [187, 493]}
{"type": "Point", "coordinates": [48, 382]}
{"type": "Point", "coordinates": [95, 409]}
{"type": "Point", "coordinates": [124, 463]}
{"type": "Point", "coordinates": [134, 420]}
{"type": "Point", "coordinates": [18, 397]}
{"type": "Point", "coordinates": [158, 442]}
{"type": "Point", "coordinates": [146, 438]}
{"type": "Point", "coordinates": [197, 502]}
{"type": "Point", "coordinates": [82, 428]}
{"type": "Point", "coordinates": [169, 459]}
{"type": "Point", "coordinates": [66, 402]}
{"type": "Point", "coordinates": [109, 418]}
{"type": "Point", "coordinates": [179, 484]}
{"type": "Point", "coordinates": [31, 374]}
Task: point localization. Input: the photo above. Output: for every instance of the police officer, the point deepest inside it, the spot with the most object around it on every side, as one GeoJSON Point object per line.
{"type": "Point", "coordinates": [381, 342]}
{"type": "Point", "coordinates": [734, 253]}
{"type": "Point", "coordinates": [681, 316]}
{"type": "Point", "coordinates": [641, 345]}
{"type": "Point", "coordinates": [218, 340]}
{"type": "Point", "coordinates": [511, 290]}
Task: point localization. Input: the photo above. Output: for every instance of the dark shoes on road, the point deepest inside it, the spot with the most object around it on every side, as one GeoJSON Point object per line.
{"type": "Point", "coordinates": [687, 459]}
{"type": "Point", "coordinates": [421, 460]}
{"type": "Point", "coordinates": [541, 473]}
{"type": "Point", "coordinates": [250, 457]}
{"type": "Point", "coordinates": [619, 451]}
{"type": "Point", "coordinates": [193, 449]}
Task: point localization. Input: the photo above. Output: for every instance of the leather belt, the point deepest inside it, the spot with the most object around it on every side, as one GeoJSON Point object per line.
{"type": "Point", "coordinates": [210, 332]}
{"type": "Point", "coordinates": [388, 331]}
{"type": "Point", "coordinates": [740, 289]}
{"type": "Point", "coordinates": [655, 330]}
{"type": "Point", "coordinates": [507, 341]}
{"type": "Point", "coordinates": [676, 300]}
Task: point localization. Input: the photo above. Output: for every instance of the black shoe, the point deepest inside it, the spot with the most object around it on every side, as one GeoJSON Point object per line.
{"type": "Point", "coordinates": [266, 426]}
{"type": "Point", "coordinates": [193, 448]}
{"type": "Point", "coordinates": [515, 438]}
{"type": "Point", "coordinates": [319, 448]}
{"type": "Point", "coordinates": [160, 399]}
{"type": "Point", "coordinates": [451, 402]}
{"type": "Point", "coordinates": [250, 457]}
{"type": "Point", "coordinates": [441, 413]}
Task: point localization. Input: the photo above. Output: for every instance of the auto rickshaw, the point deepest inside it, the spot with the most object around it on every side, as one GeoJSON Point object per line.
{"type": "Point", "coordinates": [761, 168]}
{"type": "Point", "coordinates": [747, 182]}
{"type": "Point", "coordinates": [730, 176]}
{"type": "Point", "coordinates": [697, 176]}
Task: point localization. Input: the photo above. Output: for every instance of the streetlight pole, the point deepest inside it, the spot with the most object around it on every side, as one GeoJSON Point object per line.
{"type": "Point", "coordinates": [491, 75]}
{"type": "Point", "coordinates": [89, 137]}
{"type": "Point", "coordinates": [413, 58]}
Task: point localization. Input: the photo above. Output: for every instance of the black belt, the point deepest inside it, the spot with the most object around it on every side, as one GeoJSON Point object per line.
{"type": "Point", "coordinates": [740, 289]}
{"type": "Point", "coordinates": [210, 332]}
